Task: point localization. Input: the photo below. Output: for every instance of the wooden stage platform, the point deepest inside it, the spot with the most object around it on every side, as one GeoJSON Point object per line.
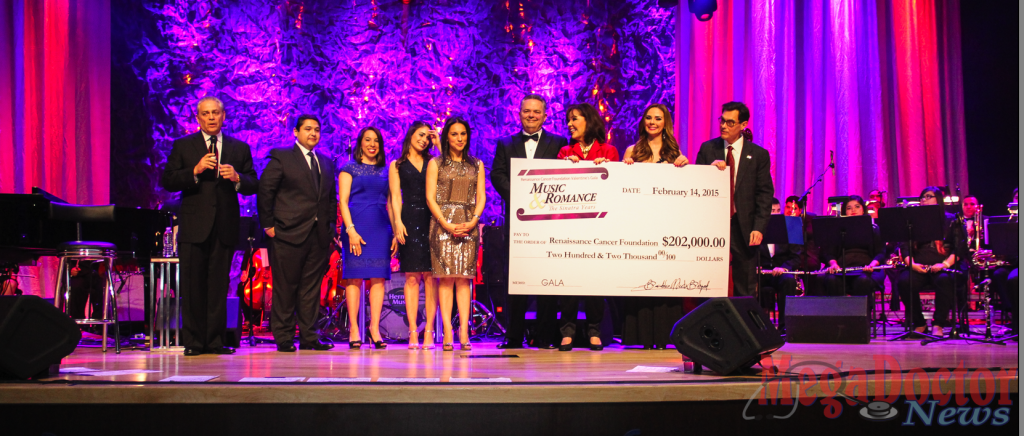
{"type": "Point", "coordinates": [512, 392]}
{"type": "Point", "coordinates": [484, 375]}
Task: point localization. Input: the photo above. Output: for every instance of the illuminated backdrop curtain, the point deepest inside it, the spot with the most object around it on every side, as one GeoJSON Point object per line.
{"type": "Point", "coordinates": [55, 98]}
{"type": "Point", "coordinates": [878, 82]}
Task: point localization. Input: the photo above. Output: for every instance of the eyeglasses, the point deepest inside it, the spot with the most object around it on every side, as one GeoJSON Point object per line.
{"type": "Point", "coordinates": [927, 197]}
{"type": "Point", "coordinates": [730, 123]}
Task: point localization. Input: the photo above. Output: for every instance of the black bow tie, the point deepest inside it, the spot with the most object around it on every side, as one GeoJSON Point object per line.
{"type": "Point", "coordinates": [527, 137]}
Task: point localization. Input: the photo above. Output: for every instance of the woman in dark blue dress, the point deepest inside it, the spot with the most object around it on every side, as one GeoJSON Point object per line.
{"type": "Point", "coordinates": [368, 246]}
{"type": "Point", "coordinates": [408, 178]}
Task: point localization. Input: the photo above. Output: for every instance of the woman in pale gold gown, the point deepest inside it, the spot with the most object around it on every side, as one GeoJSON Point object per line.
{"type": "Point", "coordinates": [456, 197]}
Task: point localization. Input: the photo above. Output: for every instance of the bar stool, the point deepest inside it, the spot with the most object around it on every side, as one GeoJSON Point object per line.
{"type": "Point", "coordinates": [89, 251]}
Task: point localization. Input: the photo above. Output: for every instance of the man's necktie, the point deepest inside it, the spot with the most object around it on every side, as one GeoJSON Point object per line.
{"type": "Point", "coordinates": [315, 166]}
{"type": "Point", "coordinates": [216, 157]}
{"type": "Point", "coordinates": [731, 163]}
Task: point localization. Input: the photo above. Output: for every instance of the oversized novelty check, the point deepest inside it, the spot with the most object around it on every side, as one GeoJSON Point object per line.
{"type": "Point", "coordinates": [615, 229]}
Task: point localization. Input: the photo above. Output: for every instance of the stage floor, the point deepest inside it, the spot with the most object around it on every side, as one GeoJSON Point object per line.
{"type": "Point", "coordinates": [484, 375]}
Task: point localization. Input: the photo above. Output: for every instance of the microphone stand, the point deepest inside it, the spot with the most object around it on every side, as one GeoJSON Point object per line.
{"type": "Point", "coordinates": [803, 213]}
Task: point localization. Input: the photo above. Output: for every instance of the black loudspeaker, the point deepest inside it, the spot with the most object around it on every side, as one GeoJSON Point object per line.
{"type": "Point", "coordinates": [494, 266]}
{"type": "Point", "coordinates": [726, 334]}
{"type": "Point", "coordinates": [828, 320]}
{"type": "Point", "coordinates": [33, 336]}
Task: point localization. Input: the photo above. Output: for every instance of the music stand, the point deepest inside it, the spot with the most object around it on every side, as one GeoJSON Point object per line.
{"type": "Point", "coordinates": [780, 229]}
{"type": "Point", "coordinates": [1004, 238]}
{"type": "Point", "coordinates": [833, 232]}
{"type": "Point", "coordinates": [910, 225]}
{"type": "Point", "coordinates": [251, 238]}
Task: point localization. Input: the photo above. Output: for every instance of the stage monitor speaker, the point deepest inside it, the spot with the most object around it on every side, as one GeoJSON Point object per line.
{"type": "Point", "coordinates": [33, 336]}
{"type": "Point", "coordinates": [828, 320]}
{"type": "Point", "coordinates": [495, 257]}
{"type": "Point", "coordinates": [726, 334]}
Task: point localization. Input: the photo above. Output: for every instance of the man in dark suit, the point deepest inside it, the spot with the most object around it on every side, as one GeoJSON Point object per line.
{"type": "Point", "coordinates": [752, 190]}
{"type": "Point", "coordinates": [210, 169]}
{"type": "Point", "coordinates": [532, 142]}
{"type": "Point", "coordinates": [298, 203]}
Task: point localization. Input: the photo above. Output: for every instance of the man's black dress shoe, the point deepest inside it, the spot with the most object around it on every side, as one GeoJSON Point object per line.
{"type": "Point", "coordinates": [193, 351]}
{"type": "Point", "coordinates": [222, 350]}
{"type": "Point", "coordinates": [509, 346]}
{"type": "Point", "coordinates": [317, 346]}
{"type": "Point", "coordinates": [286, 348]}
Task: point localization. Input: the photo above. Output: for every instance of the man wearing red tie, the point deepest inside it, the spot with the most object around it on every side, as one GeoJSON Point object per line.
{"type": "Point", "coordinates": [210, 169]}
{"type": "Point", "coordinates": [750, 181]}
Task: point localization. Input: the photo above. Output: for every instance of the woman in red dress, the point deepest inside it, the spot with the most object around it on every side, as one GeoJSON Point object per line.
{"type": "Point", "coordinates": [587, 131]}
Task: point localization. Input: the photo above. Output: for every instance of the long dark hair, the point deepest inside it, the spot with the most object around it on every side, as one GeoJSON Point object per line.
{"type": "Point", "coordinates": [853, 198]}
{"type": "Point", "coordinates": [357, 151]}
{"type": "Point", "coordinates": [407, 142]}
{"type": "Point", "coordinates": [595, 125]}
{"type": "Point", "coordinates": [446, 157]}
{"type": "Point", "coordinates": [669, 147]}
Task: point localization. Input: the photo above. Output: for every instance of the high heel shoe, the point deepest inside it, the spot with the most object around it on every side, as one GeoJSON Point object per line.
{"type": "Point", "coordinates": [380, 345]}
{"type": "Point", "coordinates": [414, 339]}
{"type": "Point", "coordinates": [465, 345]}
{"type": "Point", "coordinates": [596, 347]}
{"type": "Point", "coordinates": [354, 345]}
{"type": "Point", "coordinates": [565, 347]}
{"type": "Point", "coordinates": [428, 340]}
{"type": "Point", "coordinates": [446, 344]}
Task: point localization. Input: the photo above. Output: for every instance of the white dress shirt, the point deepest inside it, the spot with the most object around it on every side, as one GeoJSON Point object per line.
{"type": "Point", "coordinates": [531, 145]}
{"type": "Point", "coordinates": [737, 152]}
{"type": "Point", "coordinates": [220, 148]}
{"type": "Point", "coordinates": [220, 143]}
{"type": "Point", "coordinates": [305, 154]}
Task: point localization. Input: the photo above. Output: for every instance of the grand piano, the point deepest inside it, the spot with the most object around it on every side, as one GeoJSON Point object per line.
{"type": "Point", "coordinates": [26, 231]}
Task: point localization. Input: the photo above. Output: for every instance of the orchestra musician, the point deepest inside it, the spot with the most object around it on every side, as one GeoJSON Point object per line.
{"type": "Point", "coordinates": [867, 254]}
{"type": "Point", "coordinates": [933, 264]}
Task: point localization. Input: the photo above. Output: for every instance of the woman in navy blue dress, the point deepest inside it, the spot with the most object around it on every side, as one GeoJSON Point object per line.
{"type": "Point", "coordinates": [408, 178]}
{"type": "Point", "coordinates": [368, 247]}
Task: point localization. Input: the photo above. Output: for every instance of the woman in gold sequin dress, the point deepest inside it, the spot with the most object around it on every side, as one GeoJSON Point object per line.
{"type": "Point", "coordinates": [456, 196]}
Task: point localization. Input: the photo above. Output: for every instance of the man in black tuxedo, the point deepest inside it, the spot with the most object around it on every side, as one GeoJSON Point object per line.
{"type": "Point", "coordinates": [532, 142]}
{"type": "Point", "coordinates": [210, 169]}
{"type": "Point", "coordinates": [752, 191]}
{"type": "Point", "coordinates": [298, 203]}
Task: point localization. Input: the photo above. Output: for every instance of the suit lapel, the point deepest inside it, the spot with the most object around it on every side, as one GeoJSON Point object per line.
{"type": "Point", "coordinates": [227, 150]}
{"type": "Point", "coordinates": [748, 148]}
{"type": "Point", "coordinates": [544, 145]}
{"type": "Point", "coordinates": [200, 144]}
{"type": "Point", "coordinates": [519, 146]}
{"type": "Point", "coordinates": [300, 160]}
{"type": "Point", "coordinates": [324, 176]}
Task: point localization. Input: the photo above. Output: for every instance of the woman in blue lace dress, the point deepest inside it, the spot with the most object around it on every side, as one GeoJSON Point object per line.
{"type": "Point", "coordinates": [368, 246]}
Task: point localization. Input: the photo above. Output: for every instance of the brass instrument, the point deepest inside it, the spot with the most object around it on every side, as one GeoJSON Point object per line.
{"type": "Point", "coordinates": [975, 228]}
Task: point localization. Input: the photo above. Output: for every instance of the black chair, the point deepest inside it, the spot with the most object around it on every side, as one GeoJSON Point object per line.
{"type": "Point", "coordinates": [88, 251]}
